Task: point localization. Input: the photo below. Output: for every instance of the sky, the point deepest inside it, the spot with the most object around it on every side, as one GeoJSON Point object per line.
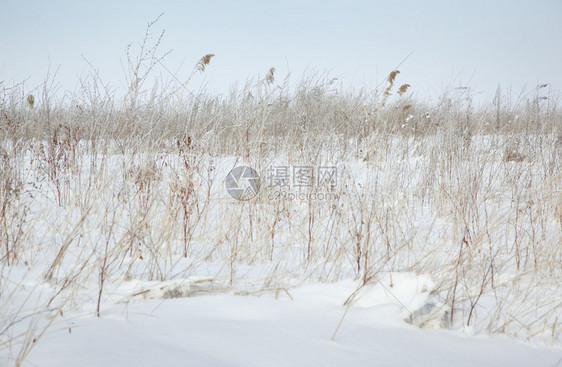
{"type": "Point", "coordinates": [439, 44]}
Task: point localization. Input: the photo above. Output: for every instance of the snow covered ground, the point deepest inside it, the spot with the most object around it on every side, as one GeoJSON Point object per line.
{"type": "Point", "coordinates": [417, 257]}
{"type": "Point", "coordinates": [231, 330]}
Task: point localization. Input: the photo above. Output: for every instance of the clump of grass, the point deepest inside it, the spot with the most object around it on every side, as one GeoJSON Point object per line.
{"type": "Point", "coordinates": [512, 155]}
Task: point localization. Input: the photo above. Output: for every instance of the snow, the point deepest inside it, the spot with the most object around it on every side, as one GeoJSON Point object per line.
{"type": "Point", "coordinates": [234, 300]}
{"type": "Point", "coordinates": [231, 330]}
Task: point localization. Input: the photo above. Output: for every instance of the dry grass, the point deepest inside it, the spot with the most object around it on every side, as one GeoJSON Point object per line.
{"type": "Point", "coordinates": [95, 189]}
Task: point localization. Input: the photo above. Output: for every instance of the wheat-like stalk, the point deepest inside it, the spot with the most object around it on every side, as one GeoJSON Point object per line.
{"type": "Point", "coordinates": [200, 66]}
{"type": "Point", "coordinates": [30, 100]}
{"type": "Point", "coordinates": [403, 88]}
{"type": "Point", "coordinates": [390, 79]}
{"type": "Point", "coordinates": [392, 76]}
{"type": "Point", "coordinates": [269, 77]}
{"type": "Point", "coordinates": [204, 61]}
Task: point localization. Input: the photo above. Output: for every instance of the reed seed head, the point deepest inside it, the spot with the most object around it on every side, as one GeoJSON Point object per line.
{"type": "Point", "coordinates": [204, 61]}
{"type": "Point", "coordinates": [403, 88]}
{"type": "Point", "coordinates": [392, 76]}
{"type": "Point", "coordinates": [30, 100]}
{"type": "Point", "coordinates": [269, 78]}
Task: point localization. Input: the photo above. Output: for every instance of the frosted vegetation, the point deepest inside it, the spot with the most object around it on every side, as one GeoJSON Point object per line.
{"type": "Point", "coordinates": [108, 200]}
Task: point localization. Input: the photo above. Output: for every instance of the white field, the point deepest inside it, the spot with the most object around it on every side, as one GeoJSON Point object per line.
{"type": "Point", "coordinates": [429, 251]}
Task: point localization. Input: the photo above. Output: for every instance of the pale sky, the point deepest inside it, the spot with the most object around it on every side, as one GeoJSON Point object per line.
{"type": "Point", "coordinates": [454, 43]}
